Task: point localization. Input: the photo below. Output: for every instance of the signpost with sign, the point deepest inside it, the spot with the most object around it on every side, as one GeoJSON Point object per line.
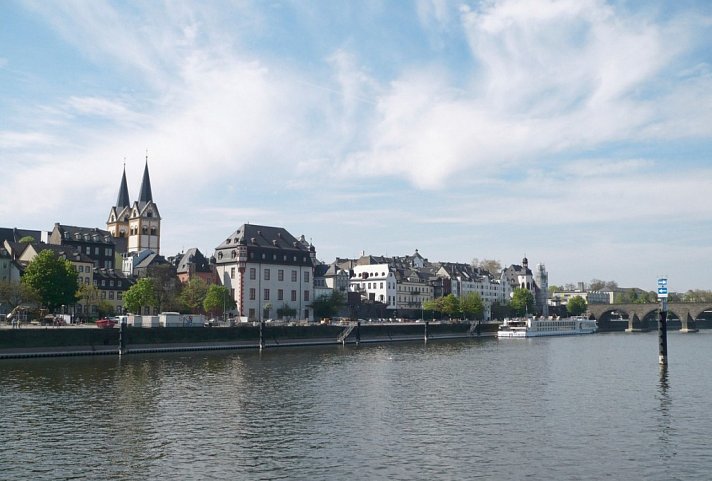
{"type": "Point", "coordinates": [662, 322]}
{"type": "Point", "coordinates": [662, 288]}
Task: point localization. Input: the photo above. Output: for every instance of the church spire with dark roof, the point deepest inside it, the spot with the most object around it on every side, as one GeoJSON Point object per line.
{"type": "Point", "coordinates": [145, 195]}
{"type": "Point", "coordinates": [123, 199]}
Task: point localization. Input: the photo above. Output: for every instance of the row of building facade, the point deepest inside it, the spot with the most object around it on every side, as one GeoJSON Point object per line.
{"type": "Point", "coordinates": [270, 273]}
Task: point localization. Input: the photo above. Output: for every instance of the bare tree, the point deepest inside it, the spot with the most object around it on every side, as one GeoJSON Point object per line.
{"type": "Point", "coordinates": [490, 265]}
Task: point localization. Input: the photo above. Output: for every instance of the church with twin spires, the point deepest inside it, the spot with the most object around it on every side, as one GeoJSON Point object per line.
{"type": "Point", "coordinates": [136, 226]}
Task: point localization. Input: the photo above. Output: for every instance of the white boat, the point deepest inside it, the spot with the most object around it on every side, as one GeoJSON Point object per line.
{"type": "Point", "coordinates": [535, 327]}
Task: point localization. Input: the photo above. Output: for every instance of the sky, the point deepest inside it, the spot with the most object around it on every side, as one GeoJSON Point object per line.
{"type": "Point", "coordinates": [577, 133]}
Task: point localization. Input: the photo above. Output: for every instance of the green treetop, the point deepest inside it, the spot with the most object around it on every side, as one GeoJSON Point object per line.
{"type": "Point", "coordinates": [53, 279]}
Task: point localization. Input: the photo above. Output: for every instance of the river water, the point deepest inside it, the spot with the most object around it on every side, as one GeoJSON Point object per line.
{"type": "Point", "coordinates": [585, 408]}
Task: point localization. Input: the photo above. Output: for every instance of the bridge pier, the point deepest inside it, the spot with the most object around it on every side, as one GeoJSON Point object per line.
{"type": "Point", "coordinates": [635, 324]}
{"type": "Point", "coordinates": [688, 324]}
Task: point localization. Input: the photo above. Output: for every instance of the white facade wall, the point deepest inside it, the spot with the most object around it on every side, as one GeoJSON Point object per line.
{"type": "Point", "coordinates": [376, 279]}
{"type": "Point", "coordinates": [262, 287]}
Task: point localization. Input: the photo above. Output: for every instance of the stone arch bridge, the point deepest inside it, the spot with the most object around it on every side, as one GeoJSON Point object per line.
{"type": "Point", "coordinates": [641, 316]}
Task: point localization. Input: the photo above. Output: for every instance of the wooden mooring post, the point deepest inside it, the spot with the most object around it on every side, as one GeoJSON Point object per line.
{"type": "Point", "coordinates": [122, 338]}
{"type": "Point", "coordinates": [262, 335]}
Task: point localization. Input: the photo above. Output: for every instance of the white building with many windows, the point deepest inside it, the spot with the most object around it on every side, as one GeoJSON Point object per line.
{"type": "Point", "coordinates": [376, 282]}
{"type": "Point", "coordinates": [269, 272]}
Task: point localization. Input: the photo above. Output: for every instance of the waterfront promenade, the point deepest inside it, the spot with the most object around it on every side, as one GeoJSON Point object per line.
{"type": "Point", "coordinates": [87, 340]}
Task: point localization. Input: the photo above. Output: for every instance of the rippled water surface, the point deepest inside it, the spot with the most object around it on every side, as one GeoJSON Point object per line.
{"type": "Point", "coordinates": [587, 408]}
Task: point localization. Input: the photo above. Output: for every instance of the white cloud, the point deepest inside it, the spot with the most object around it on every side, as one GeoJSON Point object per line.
{"type": "Point", "coordinates": [526, 133]}
{"type": "Point", "coordinates": [25, 140]}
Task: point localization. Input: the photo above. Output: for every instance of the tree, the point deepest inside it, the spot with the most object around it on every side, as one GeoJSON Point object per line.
{"type": "Point", "coordinates": [192, 295]}
{"type": "Point", "coordinates": [141, 294]}
{"type": "Point", "coordinates": [165, 285]}
{"type": "Point", "coordinates": [576, 306]}
{"type": "Point", "coordinates": [15, 294]}
{"type": "Point", "coordinates": [54, 280]}
{"type": "Point", "coordinates": [328, 305]}
{"type": "Point", "coordinates": [522, 301]}
{"type": "Point", "coordinates": [471, 305]}
{"type": "Point", "coordinates": [286, 311]}
{"type": "Point", "coordinates": [433, 305]}
{"type": "Point", "coordinates": [697, 295]}
{"type": "Point", "coordinates": [88, 294]}
{"type": "Point", "coordinates": [597, 285]}
{"type": "Point", "coordinates": [490, 265]}
{"type": "Point", "coordinates": [28, 239]}
{"type": "Point", "coordinates": [218, 299]}
{"type": "Point", "coordinates": [450, 305]}
{"type": "Point", "coordinates": [104, 308]}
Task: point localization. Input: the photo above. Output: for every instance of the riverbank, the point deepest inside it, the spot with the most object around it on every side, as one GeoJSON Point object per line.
{"type": "Point", "coordinates": [90, 341]}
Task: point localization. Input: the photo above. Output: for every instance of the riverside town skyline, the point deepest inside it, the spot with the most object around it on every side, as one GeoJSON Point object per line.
{"type": "Point", "coordinates": [577, 133]}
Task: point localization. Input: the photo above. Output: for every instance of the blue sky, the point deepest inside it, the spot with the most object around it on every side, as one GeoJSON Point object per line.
{"type": "Point", "coordinates": [576, 132]}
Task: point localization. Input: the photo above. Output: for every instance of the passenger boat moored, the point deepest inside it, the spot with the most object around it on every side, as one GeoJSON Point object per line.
{"type": "Point", "coordinates": [536, 327]}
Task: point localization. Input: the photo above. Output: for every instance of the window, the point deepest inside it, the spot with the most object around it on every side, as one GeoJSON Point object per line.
{"type": "Point", "coordinates": [111, 283]}
{"type": "Point", "coordinates": [232, 273]}
{"type": "Point", "coordinates": [86, 280]}
{"type": "Point", "coordinates": [88, 250]}
{"type": "Point", "coordinates": [306, 295]}
{"type": "Point", "coordinates": [280, 294]}
{"type": "Point", "coordinates": [107, 251]}
{"type": "Point", "coordinates": [266, 274]}
{"type": "Point", "coordinates": [119, 295]}
{"type": "Point", "coordinates": [102, 295]}
{"type": "Point", "coordinates": [294, 295]}
{"type": "Point", "coordinates": [266, 295]}
{"type": "Point", "coordinates": [81, 268]}
{"type": "Point", "coordinates": [153, 231]}
{"type": "Point", "coordinates": [252, 313]}
{"type": "Point", "coordinates": [280, 275]}
{"type": "Point", "coordinates": [294, 276]}
{"type": "Point", "coordinates": [253, 294]}
{"type": "Point", "coordinates": [253, 273]}
{"type": "Point", "coordinates": [306, 276]}
{"type": "Point", "coordinates": [111, 295]}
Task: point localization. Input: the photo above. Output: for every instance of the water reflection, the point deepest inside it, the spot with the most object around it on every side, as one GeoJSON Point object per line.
{"type": "Point", "coordinates": [545, 409]}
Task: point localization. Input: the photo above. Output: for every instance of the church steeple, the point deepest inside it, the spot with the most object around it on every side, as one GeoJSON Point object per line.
{"type": "Point", "coordinates": [145, 195]}
{"type": "Point", "coordinates": [123, 199]}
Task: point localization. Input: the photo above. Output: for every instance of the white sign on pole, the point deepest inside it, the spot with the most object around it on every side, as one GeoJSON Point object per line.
{"type": "Point", "coordinates": [662, 288]}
